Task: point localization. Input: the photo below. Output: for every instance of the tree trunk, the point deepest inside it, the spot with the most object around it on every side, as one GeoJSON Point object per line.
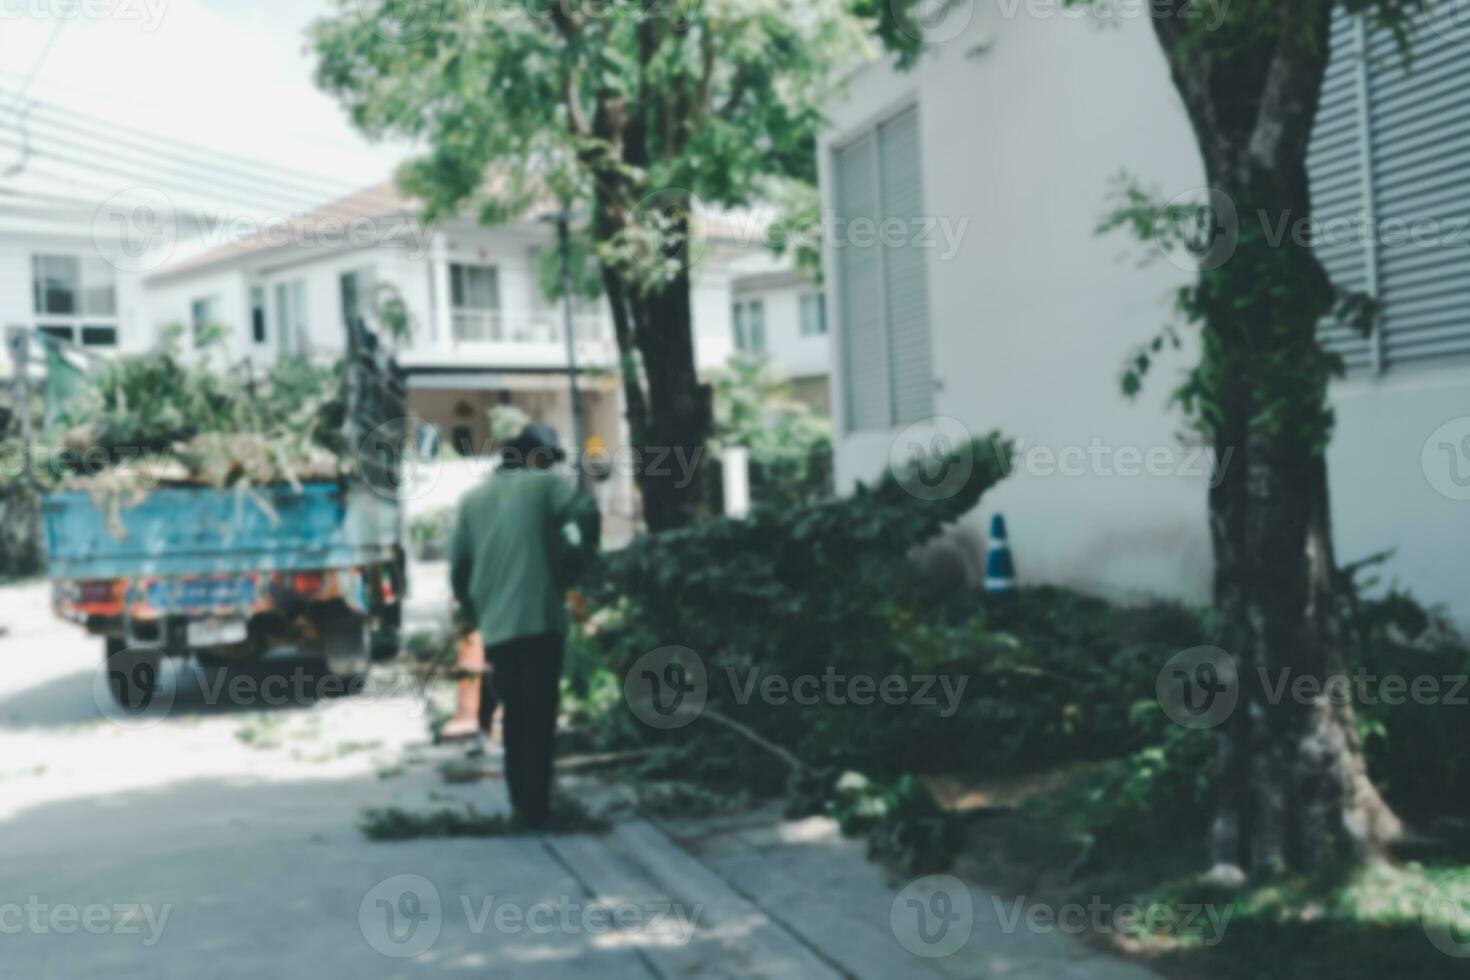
{"type": "Point", "coordinates": [1293, 790]}
{"type": "Point", "coordinates": [669, 410]}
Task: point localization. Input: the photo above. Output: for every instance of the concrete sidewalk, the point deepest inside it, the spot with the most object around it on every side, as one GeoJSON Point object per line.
{"type": "Point", "coordinates": [220, 841]}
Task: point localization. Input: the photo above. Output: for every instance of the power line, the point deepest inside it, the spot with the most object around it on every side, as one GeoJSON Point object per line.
{"type": "Point", "coordinates": [315, 182]}
{"type": "Point", "coordinates": [23, 105]}
{"type": "Point", "coordinates": [182, 170]}
{"type": "Point", "coordinates": [317, 188]}
{"type": "Point", "coordinates": [63, 153]}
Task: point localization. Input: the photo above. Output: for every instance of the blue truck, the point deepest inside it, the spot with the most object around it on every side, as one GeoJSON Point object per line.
{"type": "Point", "coordinates": [230, 576]}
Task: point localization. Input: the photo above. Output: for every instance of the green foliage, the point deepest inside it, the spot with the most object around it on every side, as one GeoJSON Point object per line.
{"type": "Point", "coordinates": [708, 97]}
{"type": "Point", "coordinates": [428, 533]}
{"type": "Point", "coordinates": [790, 445]}
{"type": "Point", "coordinates": [904, 824]}
{"type": "Point", "coordinates": [223, 427]}
{"type": "Point", "coordinates": [568, 816]}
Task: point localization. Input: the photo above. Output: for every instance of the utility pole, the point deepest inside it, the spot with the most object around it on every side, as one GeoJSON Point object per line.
{"type": "Point", "coordinates": [19, 341]}
{"type": "Point", "coordinates": [564, 243]}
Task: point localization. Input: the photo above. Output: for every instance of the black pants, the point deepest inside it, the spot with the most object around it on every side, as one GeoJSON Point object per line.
{"type": "Point", "coordinates": [528, 684]}
{"type": "Point", "coordinates": [488, 700]}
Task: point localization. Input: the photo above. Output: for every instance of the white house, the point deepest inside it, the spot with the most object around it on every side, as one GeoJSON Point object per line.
{"type": "Point", "coordinates": [781, 314]}
{"type": "Point", "coordinates": [481, 331]}
{"type": "Point", "coordinates": [986, 301]}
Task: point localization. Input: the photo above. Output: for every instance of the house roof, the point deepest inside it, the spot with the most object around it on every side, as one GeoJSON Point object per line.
{"type": "Point", "coordinates": [381, 200]}
{"type": "Point", "coordinates": [384, 200]}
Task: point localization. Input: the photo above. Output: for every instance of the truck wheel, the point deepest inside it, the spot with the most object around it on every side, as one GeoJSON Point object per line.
{"type": "Point", "coordinates": [132, 674]}
{"type": "Point", "coordinates": [346, 643]}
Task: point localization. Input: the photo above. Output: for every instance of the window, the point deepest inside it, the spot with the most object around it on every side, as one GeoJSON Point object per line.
{"type": "Point", "coordinates": [813, 315]}
{"type": "Point", "coordinates": [291, 314]}
{"type": "Point", "coordinates": [69, 286]}
{"type": "Point", "coordinates": [258, 331]}
{"type": "Point", "coordinates": [99, 336]}
{"type": "Point", "coordinates": [474, 301]}
{"type": "Point", "coordinates": [750, 327]}
{"type": "Point", "coordinates": [357, 297]}
{"type": "Point", "coordinates": [1390, 159]}
{"type": "Point", "coordinates": [203, 312]}
{"type": "Point", "coordinates": [882, 285]}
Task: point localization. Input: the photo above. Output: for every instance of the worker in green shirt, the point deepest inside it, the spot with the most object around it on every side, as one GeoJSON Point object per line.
{"type": "Point", "coordinates": [516, 539]}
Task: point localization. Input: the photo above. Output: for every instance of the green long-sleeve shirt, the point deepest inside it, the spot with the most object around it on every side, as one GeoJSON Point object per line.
{"type": "Point", "coordinates": [509, 555]}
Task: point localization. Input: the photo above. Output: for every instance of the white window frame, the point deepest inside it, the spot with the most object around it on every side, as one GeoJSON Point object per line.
{"type": "Point", "coordinates": [89, 269]}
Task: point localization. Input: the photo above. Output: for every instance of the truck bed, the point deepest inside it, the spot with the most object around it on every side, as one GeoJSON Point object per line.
{"type": "Point", "coordinates": [201, 530]}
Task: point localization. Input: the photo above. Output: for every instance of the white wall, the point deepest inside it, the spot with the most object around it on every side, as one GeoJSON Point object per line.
{"type": "Point", "coordinates": [795, 355]}
{"type": "Point", "coordinates": [1034, 315]}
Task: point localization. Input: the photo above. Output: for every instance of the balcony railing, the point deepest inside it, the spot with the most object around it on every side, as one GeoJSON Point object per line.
{"type": "Point", "coordinates": [496, 327]}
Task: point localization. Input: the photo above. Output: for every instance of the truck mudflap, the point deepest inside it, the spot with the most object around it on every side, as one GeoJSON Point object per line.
{"type": "Point", "coordinates": [219, 596]}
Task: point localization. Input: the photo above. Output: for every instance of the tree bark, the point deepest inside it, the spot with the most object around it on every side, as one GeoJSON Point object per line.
{"type": "Point", "coordinates": [1293, 789]}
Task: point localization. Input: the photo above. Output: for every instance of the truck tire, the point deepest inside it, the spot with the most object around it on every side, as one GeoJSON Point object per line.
{"type": "Point", "coordinates": [346, 646]}
{"type": "Point", "coordinates": [132, 674]}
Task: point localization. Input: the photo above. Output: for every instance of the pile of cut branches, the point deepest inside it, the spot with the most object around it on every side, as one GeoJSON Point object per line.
{"type": "Point", "coordinates": [157, 419]}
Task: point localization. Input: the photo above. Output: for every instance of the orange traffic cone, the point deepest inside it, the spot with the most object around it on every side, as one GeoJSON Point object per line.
{"type": "Point", "coordinates": [466, 721]}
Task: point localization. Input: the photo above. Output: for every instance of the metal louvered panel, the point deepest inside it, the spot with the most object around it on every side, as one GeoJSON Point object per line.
{"type": "Point", "coordinates": [883, 288]}
{"type": "Point", "coordinates": [1421, 167]}
{"type": "Point", "coordinates": [905, 280]}
{"type": "Point", "coordinates": [864, 334]}
{"type": "Point", "coordinates": [1335, 161]}
{"type": "Point", "coordinates": [1411, 125]}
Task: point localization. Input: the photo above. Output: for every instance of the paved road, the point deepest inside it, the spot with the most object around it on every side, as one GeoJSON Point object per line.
{"type": "Point", "coordinates": [218, 840]}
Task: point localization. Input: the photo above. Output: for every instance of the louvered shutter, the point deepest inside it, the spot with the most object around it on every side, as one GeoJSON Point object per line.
{"type": "Point", "coordinates": [860, 292]}
{"type": "Point", "coordinates": [1410, 124]}
{"type": "Point", "coordinates": [905, 280]}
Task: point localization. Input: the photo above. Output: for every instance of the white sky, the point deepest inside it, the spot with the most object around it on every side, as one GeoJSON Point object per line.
{"type": "Point", "coordinates": [233, 76]}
